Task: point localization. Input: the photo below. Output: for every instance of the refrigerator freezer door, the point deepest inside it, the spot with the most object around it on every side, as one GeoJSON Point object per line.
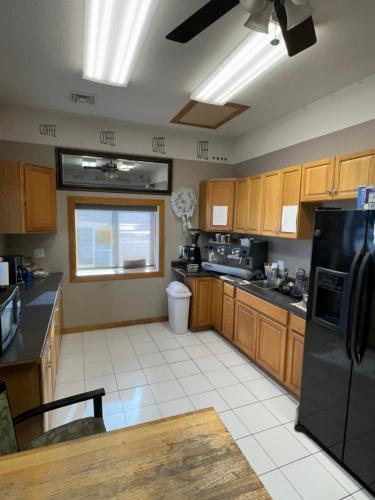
{"type": "Point", "coordinates": [359, 451]}
{"type": "Point", "coordinates": [338, 245]}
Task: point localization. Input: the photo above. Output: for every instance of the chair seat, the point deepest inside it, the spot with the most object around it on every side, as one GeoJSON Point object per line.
{"type": "Point", "coordinates": [73, 430]}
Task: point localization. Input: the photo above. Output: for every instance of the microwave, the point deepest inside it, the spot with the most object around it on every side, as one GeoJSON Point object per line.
{"type": "Point", "coordinates": [10, 316]}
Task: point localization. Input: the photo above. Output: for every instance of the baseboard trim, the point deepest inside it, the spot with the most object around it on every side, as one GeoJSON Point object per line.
{"type": "Point", "coordinates": [116, 324]}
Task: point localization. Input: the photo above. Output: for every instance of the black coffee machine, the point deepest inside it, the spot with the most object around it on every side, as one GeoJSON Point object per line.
{"type": "Point", "coordinates": [15, 268]}
{"type": "Point", "coordinates": [192, 253]}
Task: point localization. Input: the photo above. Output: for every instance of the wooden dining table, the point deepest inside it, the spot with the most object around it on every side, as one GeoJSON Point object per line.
{"type": "Point", "coordinates": [186, 456]}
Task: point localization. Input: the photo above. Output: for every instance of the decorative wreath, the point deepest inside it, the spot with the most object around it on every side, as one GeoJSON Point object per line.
{"type": "Point", "coordinates": [183, 203]}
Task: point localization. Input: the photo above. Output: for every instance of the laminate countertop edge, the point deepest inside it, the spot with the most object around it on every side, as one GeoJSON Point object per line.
{"type": "Point", "coordinates": [272, 296]}
{"type": "Point", "coordinates": [38, 301]}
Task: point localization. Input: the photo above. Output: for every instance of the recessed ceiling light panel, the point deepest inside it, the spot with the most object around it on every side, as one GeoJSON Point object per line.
{"type": "Point", "coordinates": [114, 32]}
{"type": "Point", "coordinates": [245, 64]}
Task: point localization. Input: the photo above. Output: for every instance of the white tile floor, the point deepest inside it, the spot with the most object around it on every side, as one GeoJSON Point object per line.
{"type": "Point", "coordinates": [149, 373]}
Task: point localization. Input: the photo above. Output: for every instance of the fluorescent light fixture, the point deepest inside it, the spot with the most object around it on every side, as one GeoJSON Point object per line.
{"type": "Point", "coordinates": [114, 32]}
{"type": "Point", "coordinates": [245, 64]}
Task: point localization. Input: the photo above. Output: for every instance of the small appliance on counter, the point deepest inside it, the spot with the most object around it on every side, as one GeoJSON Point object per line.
{"type": "Point", "coordinates": [16, 263]}
{"type": "Point", "coordinates": [10, 315]}
{"type": "Point", "coordinates": [243, 261]}
{"type": "Point", "coordinates": [191, 254]}
{"type": "Point", "coordinates": [4, 274]}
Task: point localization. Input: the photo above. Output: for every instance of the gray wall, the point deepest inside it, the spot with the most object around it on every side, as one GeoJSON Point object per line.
{"type": "Point", "coordinates": [360, 137]}
{"type": "Point", "coordinates": [105, 302]}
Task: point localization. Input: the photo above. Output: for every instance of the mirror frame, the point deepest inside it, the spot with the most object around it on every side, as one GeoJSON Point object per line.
{"type": "Point", "coordinates": [105, 154]}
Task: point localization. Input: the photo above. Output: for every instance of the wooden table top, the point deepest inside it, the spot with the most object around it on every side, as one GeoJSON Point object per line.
{"type": "Point", "coordinates": [188, 456]}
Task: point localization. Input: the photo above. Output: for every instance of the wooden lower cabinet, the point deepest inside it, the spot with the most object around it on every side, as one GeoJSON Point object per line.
{"type": "Point", "coordinates": [294, 355]}
{"type": "Point", "coordinates": [245, 328]}
{"type": "Point", "coordinates": [200, 304]}
{"type": "Point", "coordinates": [216, 303]}
{"type": "Point", "coordinates": [228, 317]}
{"type": "Point", "coordinates": [271, 346]}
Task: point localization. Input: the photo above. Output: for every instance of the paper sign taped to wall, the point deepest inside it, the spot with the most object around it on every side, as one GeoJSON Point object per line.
{"type": "Point", "coordinates": [289, 219]}
{"type": "Point", "coordinates": [219, 215]}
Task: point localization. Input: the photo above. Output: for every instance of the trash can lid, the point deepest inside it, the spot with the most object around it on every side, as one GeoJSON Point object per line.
{"type": "Point", "coordinates": [178, 289]}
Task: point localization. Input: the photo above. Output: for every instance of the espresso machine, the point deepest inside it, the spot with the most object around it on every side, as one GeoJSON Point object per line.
{"type": "Point", "coordinates": [191, 254]}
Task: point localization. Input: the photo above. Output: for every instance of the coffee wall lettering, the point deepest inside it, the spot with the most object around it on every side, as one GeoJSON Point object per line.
{"type": "Point", "coordinates": [158, 145]}
{"type": "Point", "coordinates": [107, 137]}
{"type": "Point", "coordinates": [202, 150]}
{"type": "Point", "coordinates": [48, 129]}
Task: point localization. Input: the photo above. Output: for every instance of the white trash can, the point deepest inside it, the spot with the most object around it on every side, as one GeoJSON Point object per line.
{"type": "Point", "coordinates": [178, 307]}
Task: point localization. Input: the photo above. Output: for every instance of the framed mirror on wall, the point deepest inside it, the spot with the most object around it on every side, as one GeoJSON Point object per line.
{"type": "Point", "coordinates": [81, 170]}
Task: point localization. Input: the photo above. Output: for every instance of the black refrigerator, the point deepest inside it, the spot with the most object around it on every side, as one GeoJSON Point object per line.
{"type": "Point", "coordinates": [337, 403]}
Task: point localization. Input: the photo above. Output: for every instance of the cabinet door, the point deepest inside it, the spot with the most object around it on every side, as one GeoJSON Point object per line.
{"type": "Point", "coordinates": [270, 203]}
{"type": "Point", "coordinates": [200, 308]}
{"type": "Point", "coordinates": [245, 327]}
{"type": "Point", "coordinates": [352, 171]}
{"type": "Point", "coordinates": [255, 205]}
{"type": "Point", "coordinates": [271, 346]}
{"type": "Point", "coordinates": [241, 205]}
{"type": "Point", "coordinates": [58, 324]}
{"type": "Point", "coordinates": [317, 180]}
{"type": "Point", "coordinates": [220, 204]}
{"type": "Point", "coordinates": [294, 361]}
{"type": "Point", "coordinates": [290, 193]}
{"type": "Point", "coordinates": [216, 303]}
{"type": "Point", "coordinates": [228, 317]}
{"type": "Point", "coordinates": [40, 194]}
{"type": "Point", "coordinates": [47, 382]}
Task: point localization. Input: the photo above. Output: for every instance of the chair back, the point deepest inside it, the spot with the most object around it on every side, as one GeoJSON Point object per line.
{"type": "Point", "coordinates": [8, 441]}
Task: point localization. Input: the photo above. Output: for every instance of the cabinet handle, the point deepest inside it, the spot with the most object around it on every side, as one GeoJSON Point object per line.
{"type": "Point", "coordinates": [49, 364]}
{"type": "Point", "coordinates": [333, 191]}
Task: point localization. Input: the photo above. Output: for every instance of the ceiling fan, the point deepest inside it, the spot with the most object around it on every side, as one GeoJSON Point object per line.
{"type": "Point", "coordinates": [110, 169]}
{"type": "Point", "coordinates": [293, 16]}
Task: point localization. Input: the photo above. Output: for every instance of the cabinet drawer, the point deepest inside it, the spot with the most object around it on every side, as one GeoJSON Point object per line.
{"type": "Point", "coordinates": [229, 290]}
{"type": "Point", "coordinates": [274, 312]}
{"type": "Point", "coordinates": [297, 324]}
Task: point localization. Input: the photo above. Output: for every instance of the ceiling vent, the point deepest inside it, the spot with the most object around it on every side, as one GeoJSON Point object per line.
{"type": "Point", "coordinates": [78, 97]}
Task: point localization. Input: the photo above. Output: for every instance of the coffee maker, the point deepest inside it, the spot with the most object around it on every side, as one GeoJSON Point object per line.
{"type": "Point", "coordinates": [191, 254]}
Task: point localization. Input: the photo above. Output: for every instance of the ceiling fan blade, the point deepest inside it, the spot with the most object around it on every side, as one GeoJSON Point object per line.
{"type": "Point", "coordinates": [201, 19]}
{"type": "Point", "coordinates": [299, 38]}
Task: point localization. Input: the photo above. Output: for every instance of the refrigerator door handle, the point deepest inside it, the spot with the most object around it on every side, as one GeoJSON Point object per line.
{"type": "Point", "coordinates": [356, 354]}
{"type": "Point", "coordinates": [347, 305]}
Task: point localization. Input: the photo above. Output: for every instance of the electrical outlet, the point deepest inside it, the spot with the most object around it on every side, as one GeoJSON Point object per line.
{"type": "Point", "coordinates": [39, 253]}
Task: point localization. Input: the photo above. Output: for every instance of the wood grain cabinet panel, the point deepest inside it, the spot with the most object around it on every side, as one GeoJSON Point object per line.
{"type": "Point", "coordinates": [216, 192]}
{"type": "Point", "coordinates": [352, 171]}
{"type": "Point", "coordinates": [294, 362]}
{"type": "Point", "coordinates": [216, 303]}
{"type": "Point", "coordinates": [228, 317]}
{"type": "Point", "coordinates": [318, 180]}
{"type": "Point", "coordinates": [290, 194]}
{"type": "Point", "coordinates": [241, 205]}
{"type": "Point", "coordinates": [28, 197]}
{"type": "Point", "coordinates": [254, 217]}
{"type": "Point", "coordinates": [200, 304]}
{"type": "Point", "coordinates": [40, 187]}
{"type": "Point", "coordinates": [271, 346]}
{"type": "Point", "coordinates": [270, 203]}
{"type": "Point", "coordinates": [245, 328]}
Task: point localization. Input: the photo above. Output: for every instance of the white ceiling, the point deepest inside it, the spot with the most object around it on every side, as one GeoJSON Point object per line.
{"type": "Point", "coordinates": [41, 45]}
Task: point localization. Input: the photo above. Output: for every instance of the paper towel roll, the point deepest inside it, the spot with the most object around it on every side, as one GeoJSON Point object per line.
{"type": "Point", "coordinates": [4, 273]}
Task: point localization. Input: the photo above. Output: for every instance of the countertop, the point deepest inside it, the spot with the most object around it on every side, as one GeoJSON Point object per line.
{"type": "Point", "coordinates": [38, 301]}
{"type": "Point", "coordinates": [187, 456]}
{"type": "Point", "coordinates": [272, 296]}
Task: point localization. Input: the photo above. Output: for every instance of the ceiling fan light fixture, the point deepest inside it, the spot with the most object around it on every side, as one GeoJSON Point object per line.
{"type": "Point", "coordinates": [246, 63]}
{"type": "Point", "coordinates": [260, 21]}
{"type": "Point", "coordinates": [297, 13]}
{"type": "Point", "coordinates": [88, 163]}
{"type": "Point", "coordinates": [114, 32]}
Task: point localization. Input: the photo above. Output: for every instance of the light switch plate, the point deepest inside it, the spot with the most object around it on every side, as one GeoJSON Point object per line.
{"type": "Point", "coordinates": [39, 253]}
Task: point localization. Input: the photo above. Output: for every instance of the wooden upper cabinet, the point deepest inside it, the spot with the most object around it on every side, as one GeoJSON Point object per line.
{"type": "Point", "coordinates": [270, 203]}
{"type": "Point", "coordinates": [40, 188]}
{"type": "Point", "coordinates": [241, 205]}
{"type": "Point", "coordinates": [255, 205]}
{"type": "Point", "coordinates": [351, 171]}
{"type": "Point", "coordinates": [216, 303]}
{"type": "Point", "coordinates": [318, 180]}
{"type": "Point", "coordinates": [290, 189]}
{"type": "Point", "coordinates": [216, 204]}
{"type": "Point", "coordinates": [27, 198]}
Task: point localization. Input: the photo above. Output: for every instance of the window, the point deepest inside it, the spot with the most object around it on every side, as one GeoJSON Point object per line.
{"type": "Point", "coordinates": [115, 238]}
